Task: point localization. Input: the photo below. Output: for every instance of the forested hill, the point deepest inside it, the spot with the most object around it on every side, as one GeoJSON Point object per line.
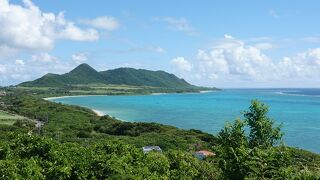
{"type": "Point", "coordinates": [85, 74]}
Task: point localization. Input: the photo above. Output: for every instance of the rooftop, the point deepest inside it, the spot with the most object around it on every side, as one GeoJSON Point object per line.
{"type": "Point", "coordinates": [203, 154]}
{"type": "Point", "coordinates": [147, 149]}
{"type": "Point", "coordinates": [206, 153]}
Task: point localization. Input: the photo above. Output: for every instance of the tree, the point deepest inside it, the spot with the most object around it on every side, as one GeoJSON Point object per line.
{"type": "Point", "coordinates": [262, 133]}
{"type": "Point", "coordinates": [252, 155]}
{"type": "Point", "coordinates": [233, 150]}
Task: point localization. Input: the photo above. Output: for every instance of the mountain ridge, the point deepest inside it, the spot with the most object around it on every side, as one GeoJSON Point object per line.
{"type": "Point", "coordinates": [85, 74]}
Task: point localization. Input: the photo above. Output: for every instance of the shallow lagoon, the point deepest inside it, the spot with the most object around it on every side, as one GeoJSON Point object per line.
{"type": "Point", "coordinates": [297, 109]}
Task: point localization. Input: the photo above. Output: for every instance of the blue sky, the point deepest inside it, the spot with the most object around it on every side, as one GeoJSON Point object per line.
{"type": "Point", "coordinates": [209, 43]}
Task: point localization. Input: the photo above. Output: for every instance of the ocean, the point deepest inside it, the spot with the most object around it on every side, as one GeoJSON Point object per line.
{"type": "Point", "coordinates": [297, 109]}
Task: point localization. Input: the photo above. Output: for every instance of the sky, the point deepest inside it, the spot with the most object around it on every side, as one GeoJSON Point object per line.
{"type": "Point", "coordinates": [226, 44]}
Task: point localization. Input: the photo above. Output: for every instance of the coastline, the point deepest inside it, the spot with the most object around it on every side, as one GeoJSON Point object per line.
{"type": "Point", "coordinates": [98, 113]}
{"type": "Point", "coordinates": [207, 91]}
{"type": "Point", "coordinates": [155, 94]}
{"type": "Point", "coordinates": [59, 97]}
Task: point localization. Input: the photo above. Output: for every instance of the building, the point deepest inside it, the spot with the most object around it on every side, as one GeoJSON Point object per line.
{"type": "Point", "coordinates": [147, 149]}
{"type": "Point", "coordinates": [201, 155]}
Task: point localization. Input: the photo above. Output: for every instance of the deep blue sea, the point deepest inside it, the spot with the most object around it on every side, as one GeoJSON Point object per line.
{"type": "Point", "coordinates": [297, 109]}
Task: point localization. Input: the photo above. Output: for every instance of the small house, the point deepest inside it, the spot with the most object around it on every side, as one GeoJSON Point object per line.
{"type": "Point", "coordinates": [203, 154]}
{"type": "Point", "coordinates": [147, 149]}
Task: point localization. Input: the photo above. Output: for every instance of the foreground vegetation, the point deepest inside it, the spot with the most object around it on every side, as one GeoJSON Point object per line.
{"type": "Point", "coordinates": [74, 143]}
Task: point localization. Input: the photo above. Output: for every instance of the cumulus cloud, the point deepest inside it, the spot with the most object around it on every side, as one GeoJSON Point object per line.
{"type": "Point", "coordinates": [181, 64]}
{"type": "Point", "coordinates": [238, 60]}
{"type": "Point", "coordinates": [264, 46]}
{"type": "Point", "coordinates": [3, 70]}
{"type": "Point", "coordinates": [233, 61]}
{"type": "Point", "coordinates": [104, 22]}
{"type": "Point", "coordinates": [227, 36]}
{"type": "Point", "coordinates": [304, 65]}
{"type": "Point", "coordinates": [27, 27]}
{"type": "Point", "coordinates": [34, 66]}
{"type": "Point", "coordinates": [178, 24]}
{"type": "Point", "coordinates": [79, 57]}
{"type": "Point", "coordinates": [43, 58]}
{"type": "Point", "coordinates": [20, 62]}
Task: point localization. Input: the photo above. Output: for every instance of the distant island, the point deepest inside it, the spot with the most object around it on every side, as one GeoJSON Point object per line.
{"type": "Point", "coordinates": [85, 80]}
{"type": "Point", "coordinates": [85, 74]}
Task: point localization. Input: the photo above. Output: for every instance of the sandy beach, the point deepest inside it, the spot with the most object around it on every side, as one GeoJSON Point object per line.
{"type": "Point", "coordinates": [208, 91]}
{"type": "Point", "coordinates": [59, 97]}
{"type": "Point", "coordinates": [155, 94]}
{"type": "Point", "coordinates": [99, 113]}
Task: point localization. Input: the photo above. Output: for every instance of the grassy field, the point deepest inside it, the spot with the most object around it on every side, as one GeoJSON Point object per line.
{"type": "Point", "coordinates": [96, 89]}
{"type": "Point", "coordinates": [9, 119]}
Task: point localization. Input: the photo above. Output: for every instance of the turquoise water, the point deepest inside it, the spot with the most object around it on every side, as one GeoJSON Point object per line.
{"type": "Point", "coordinates": [297, 109]}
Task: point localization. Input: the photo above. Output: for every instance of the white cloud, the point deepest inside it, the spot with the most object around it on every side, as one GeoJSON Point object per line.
{"type": "Point", "coordinates": [264, 46]}
{"type": "Point", "coordinates": [43, 58]}
{"type": "Point", "coordinates": [104, 22]}
{"type": "Point", "coordinates": [178, 24]}
{"type": "Point", "coordinates": [14, 72]}
{"type": "Point", "coordinates": [304, 66]}
{"type": "Point", "coordinates": [27, 27]}
{"type": "Point", "coordinates": [20, 62]}
{"type": "Point", "coordinates": [72, 32]}
{"type": "Point", "coordinates": [79, 57]}
{"type": "Point", "coordinates": [227, 36]}
{"type": "Point", "coordinates": [232, 62]}
{"type": "Point", "coordinates": [3, 70]}
{"type": "Point", "coordinates": [181, 64]}
{"type": "Point", "coordinates": [6, 51]}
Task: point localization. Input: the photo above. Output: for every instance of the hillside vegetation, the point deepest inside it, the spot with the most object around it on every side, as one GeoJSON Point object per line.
{"type": "Point", "coordinates": [74, 143]}
{"type": "Point", "coordinates": [84, 74]}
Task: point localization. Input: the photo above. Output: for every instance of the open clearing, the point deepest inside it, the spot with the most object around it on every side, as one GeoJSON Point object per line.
{"type": "Point", "coordinates": [9, 119]}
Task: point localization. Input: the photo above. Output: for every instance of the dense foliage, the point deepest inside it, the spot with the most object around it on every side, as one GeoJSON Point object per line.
{"type": "Point", "coordinates": [251, 148]}
{"type": "Point", "coordinates": [33, 157]}
{"type": "Point", "coordinates": [141, 77]}
{"type": "Point", "coordinates": [84, 74]}
{"type": "Point", "coordinates": [69, 123]}
{"type": "Point", "coordinates": [74, 143]}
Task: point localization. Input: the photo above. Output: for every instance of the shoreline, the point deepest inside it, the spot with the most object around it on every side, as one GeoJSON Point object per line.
{"type": "Point", "coordinates": [156, 94]}
{"type": "Point", "coordinates": [98, 113]}
{"type": "Point", "coordinates": [101, 113]}
{"type": "Point", "coordinates": [206, 91]}
{"type": "Point", "coordinates": [153, 94]}
{"type": "Point", "coordinates": [60, 97]}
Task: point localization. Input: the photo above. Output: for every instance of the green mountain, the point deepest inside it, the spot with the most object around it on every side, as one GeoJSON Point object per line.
{"type": "Point", "coordinates": [85, 74]}
{"type": "Point", "coordinates": [141, 77]}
